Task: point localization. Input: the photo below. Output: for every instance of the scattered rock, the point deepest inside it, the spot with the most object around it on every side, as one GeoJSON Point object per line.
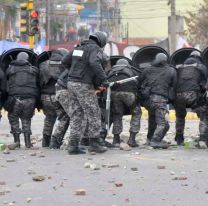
{"type": "Point", "coordinates": [2, 183]}
{"type": "Point", "coordinates": [87, 165]}
{"type": "Point", "coordinates": [161, 167]}
{"type": "Point", "coordinates": [137, 153]}
{"type": "Point", "coordinates": [94, 167]}
{"type": "Point", "coordinates": [38, 178]}
{"type": "Point", "coordinates": [119, 184]}
{"type": "Point", "coordinates": [41, 156]}
{"type": "Point", "coordinates": [183, 173]}
{"type": "Point", "coordinates": [173, 158]}
{"type": "Point", "coordinates": [18, 185]}
{"type": "Point", "coordinates": [11, 160]}
{"type": "Point", "coordinates": [125, 147]}
{"type": "Point", "coordinates": [92, 153]}
{"type": "Point", "coordinates": [2, 193]}
{"type": "Point", "coordinates": [172, 173]}
{"type": "Point", "coordinates": [81, 192]}
{"type": "Point", "coordinates": [202, 145]}
{"type": "Point", "coordinates": [184, 185]}
{"type": "Point", "coordinates": [12, 146]}
{"type": "Point", "coordinates": [110, 165]}
{"type": "Point", "coordinates": [6, 151]}
{"type": "Point", "coordinates": [29, 200]}
{"type": "Point", "coordinates": [31, 172]}
{"type": "Point", "coordinates": [180, 178]}
{"type": "Point", "coordinates": [33, 154]}
{"type": "Point", "coordinates": [134, 169]}
{"type": "Point", "coordinates": [49, 178]}
{"type": "Point", "coordinates": [206, 192]}
{"type": "Point", "coordinates": [200, 170]}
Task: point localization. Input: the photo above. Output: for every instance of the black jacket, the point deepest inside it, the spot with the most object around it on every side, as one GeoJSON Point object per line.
{"type": "Point", "coordinates": [192, 76]}
{"type": "Point", "coordinates": [159, 79]}
{"type": "Point", "coordinates": [22, 79]}
{"type": "Point", "coordinates": [63, 79]}
{"type": "Point", "coordinates": [50, 71]}
{"type": "Point", "coordinates": [85, 63]}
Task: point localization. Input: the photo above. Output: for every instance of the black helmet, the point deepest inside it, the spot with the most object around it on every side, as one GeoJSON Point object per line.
{"type": "Point", "coordinates": [63, 51]}
{"type": "Point", "coordinates": [22, 56]}
{"type": "Point", "coordinates": [100, 37]}
{"type": "Point", "coordinates": [195, 53]}
{"type": "Point", "coordinates": [160, 58]}
{"type": "Point", "coordinates": [122, 62]}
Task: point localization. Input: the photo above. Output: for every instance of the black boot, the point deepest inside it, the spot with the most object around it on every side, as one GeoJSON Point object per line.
{"type": "Point", "coordinates": [46, 140]}
{"type": "Point", "coordinates": [55, 143]}
{"type": "Point", "coordinates": [17, 139]}
{"type": "Point", "coordinates": [132, 142]}
{"type": "Point", "coordinates": [85, 142]}
{"type": "Point", "coordinates": [116, 140]}
{"type": "Point", "coordinates": [27, 140]}
{"type": "Point", "coordinates": [158, 144]}
{"type": "Point", "coordinates": [95, 146]}
{"type": "Point", "coordinates": [102, 140]}
{"type": "Point", "coordinates": [73, 147]}
{"type": "Point", "coordinates": [179, 138]}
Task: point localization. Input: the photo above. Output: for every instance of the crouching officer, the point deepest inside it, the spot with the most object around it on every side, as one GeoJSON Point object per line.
{"type": "Point", "coordinates": [23, 91]}
{"type": "Point", "coordinates": [156, 83]}
{"type": "Point", "coordinates": [50, 71]}
{"type": "Point", "coordinates": [85, 67]}
{"type": "Point", "coordinates": [190, 89]}
{"type": "Point", "coordinates": [63, 101]}
{"type": "Point", "coordinates": [124, 97]}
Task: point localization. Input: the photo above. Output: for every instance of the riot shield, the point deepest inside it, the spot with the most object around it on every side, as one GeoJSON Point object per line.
{"type": "Point", "coordinates": [179, 56]}
{"type": "Point", "coordinates": [144, 56]}
{"type": "Point", "coordinates": [43, 57]}
{"type": "Point", "coordinates": [11, 55]}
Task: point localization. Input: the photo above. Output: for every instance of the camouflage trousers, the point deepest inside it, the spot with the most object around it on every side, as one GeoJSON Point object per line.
{"type": "Point", "coordinates": [189, 100]}
{"type": "Point", "coordinates": [63, 118]}
{"type": "Point", "coordinates": [121, 102]}
{"type": "Point", "coordinates": [84, 112]}
{"type": "Point", "coordinates": [158, 124]}
{"type": "Point", "coordinates": [23, 109]}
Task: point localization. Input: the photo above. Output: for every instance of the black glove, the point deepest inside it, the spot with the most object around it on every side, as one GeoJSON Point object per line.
{"type": "Point", "coordinates": [105, 84]}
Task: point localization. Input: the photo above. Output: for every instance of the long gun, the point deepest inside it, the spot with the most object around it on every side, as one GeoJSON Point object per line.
{"type": "Point", "coordinates": [108, 100]}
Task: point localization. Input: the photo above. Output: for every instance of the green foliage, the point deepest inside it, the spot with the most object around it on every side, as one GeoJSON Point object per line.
{"type": "Point", "coordinates": [197, 23]}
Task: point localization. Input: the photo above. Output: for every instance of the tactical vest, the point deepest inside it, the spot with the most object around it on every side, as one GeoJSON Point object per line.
{"type": "Point", "coordinates": [189, 72]}
{"type": "Point", "coordinates": [22, 81]}
{"type": "Point", "coordinates": [55, 69]}
{"type": "Point", "coordinates": [79, 62]}
{"type": "Point", "coordinates": [119, 72]}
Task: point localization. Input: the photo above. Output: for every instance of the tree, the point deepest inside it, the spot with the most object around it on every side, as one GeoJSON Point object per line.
{"type": "Point", "coordinates": [197, 23]}
{"type": "Point", "coordinates": [8, 14]}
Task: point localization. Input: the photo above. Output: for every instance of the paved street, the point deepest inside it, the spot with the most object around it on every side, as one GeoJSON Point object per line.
{"type": "Point", "coordinates": [173, 177]}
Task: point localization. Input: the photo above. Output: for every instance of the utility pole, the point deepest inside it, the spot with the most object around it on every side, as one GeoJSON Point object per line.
{"type": "Point", "coordinates": [98, 14]}
{"type": "Point", "coordinates": [117, 21]}
{"type": "Point", "coordinates": [48, 33]}
{"type": "Point", "coordinates": [172, 26]}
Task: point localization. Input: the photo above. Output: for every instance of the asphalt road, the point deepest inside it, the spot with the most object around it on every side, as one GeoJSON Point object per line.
{"type": "Point", "coordinates": [173, 177]}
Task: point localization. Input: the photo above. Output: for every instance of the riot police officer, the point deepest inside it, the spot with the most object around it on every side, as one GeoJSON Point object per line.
{"type": "Point", "coordinates": [124, 97]}
{"type": "Point", "coordinates": [50, 70]}
{"type": "Point", "coordinates": [85, 69]}
{"type": "Point", "coordinates": [192, 78]}
{"type": "Point", "coordinates": [156, 82]}
{"type": "Point", "coordinates": [63, 101]}
{"type": "Point", "coordinates": [23, 91]}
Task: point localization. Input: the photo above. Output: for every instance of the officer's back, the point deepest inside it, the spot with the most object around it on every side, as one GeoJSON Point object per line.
{"type": "Point", "coordinates": [158, 78]}
{"type": "Point", "coordinates": [22, 77]}
{"type": "Point", "coordinates": [192, 74]}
